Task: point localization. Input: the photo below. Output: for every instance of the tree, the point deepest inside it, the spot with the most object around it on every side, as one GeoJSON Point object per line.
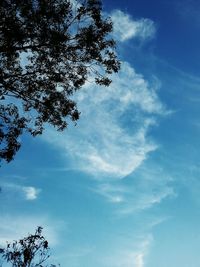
{"type": "Point", "coordinates": [48, 50]}
{"type": "Point", "coordinates": [31, 251]}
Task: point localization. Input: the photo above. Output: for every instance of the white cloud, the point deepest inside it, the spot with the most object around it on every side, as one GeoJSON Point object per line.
{"type": "Point", "coordinates": [28, 192]}
{"type": "Point", "coordinates": [31, 192]}
{"type": "Point", "coordinates": [111, 137]}
{"type": "Point", "coordinates": [126, 28]}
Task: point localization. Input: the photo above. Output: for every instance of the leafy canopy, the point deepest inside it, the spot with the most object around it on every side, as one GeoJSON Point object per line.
{"type": "Point", "coordinates": [31, 251]}
{"type": "Point", "coordinates": [48, 50]}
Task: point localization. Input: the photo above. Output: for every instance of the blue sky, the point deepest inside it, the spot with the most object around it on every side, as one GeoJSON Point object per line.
{"type": "Point", "coordinates": [121, 189]}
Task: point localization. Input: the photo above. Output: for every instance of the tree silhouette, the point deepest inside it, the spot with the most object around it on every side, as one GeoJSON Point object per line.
{"type": "Point", "coordinates": [48, 50]}
{"type": "Point", "coordinates": [31, 251]}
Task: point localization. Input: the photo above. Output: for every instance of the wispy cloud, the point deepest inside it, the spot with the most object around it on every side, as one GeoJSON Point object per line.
{"type": "Point", "coordinates": [139, 191]}
{"type": "Point", "coordinates": [113, 193]}
{"type": "Point", "coordinates": [139, 260]}
{"type": "Point", "coordinates": [132, 256]}
{"type": "Point", "coordinates": [142, 252]}
{"type": "Point", "coordinates": [125, 27]}
{"type": "Point", "coordinates": [111, 137]}
{"type": "Point", "coordinates": [146, 200]}
{"type": "Point", "coordinates": [188, 10]}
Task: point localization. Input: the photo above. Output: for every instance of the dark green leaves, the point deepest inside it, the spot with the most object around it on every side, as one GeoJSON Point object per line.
{"type": "Point", "coordinates": [48, 50]}
{"type": "Point", "coordinates": [30, 251]}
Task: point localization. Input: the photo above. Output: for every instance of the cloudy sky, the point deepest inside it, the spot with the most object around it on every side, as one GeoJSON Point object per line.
{"type": "Point", "coordinates": [121, 188]}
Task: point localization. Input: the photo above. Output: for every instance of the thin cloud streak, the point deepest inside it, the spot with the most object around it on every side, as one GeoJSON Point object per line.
{"type": "Point", "coordinates": [113, 193]}
{"type": "Point", "coordinates": [141, 190]}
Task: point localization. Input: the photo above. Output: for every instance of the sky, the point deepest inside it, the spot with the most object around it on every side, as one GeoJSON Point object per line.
{"type": "Point", "coordinates": [121, 188]}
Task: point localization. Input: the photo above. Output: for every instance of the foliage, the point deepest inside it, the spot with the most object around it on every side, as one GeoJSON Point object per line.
{"type": "Point", "coordinates": [48, 50]}
{"type": "Point", "coordinates": [31, 251]}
